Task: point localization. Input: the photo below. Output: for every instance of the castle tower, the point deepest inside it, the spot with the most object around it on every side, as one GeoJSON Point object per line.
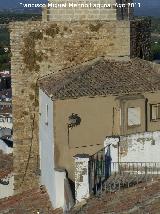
{"type": "Point", "coordinates": [88, 10]}
{"type": "Point", "coordinates": [64, 38]}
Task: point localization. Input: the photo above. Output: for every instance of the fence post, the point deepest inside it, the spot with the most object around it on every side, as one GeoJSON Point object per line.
{"type": "Point", "coordinates": [81, 177]}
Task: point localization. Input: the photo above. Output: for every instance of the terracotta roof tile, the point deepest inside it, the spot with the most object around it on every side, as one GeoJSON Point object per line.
{"type": "Point", "coordinates": [28, 202]}
{"type": "Point", "coordinates": [143, 198]}
{"type": "Point", "coordinates": [100, 78]}
{"type": "Point", "coordinates": [6, 164]}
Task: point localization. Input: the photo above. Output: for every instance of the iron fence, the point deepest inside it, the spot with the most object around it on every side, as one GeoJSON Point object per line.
{"type": "Point", "coordinates": [99, 169]}
{"type": "Point", "coordinates": [152, 168]}
{"type": "Point", "coordinates": [103, 172]}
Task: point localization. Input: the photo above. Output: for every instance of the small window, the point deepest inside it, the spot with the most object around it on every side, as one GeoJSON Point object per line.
{"type": "Point", "coordinates": [155, 112]}
{"type": "Point", "coordinates": [46, 115]}
{"type": "Point", "coordinates": [134, 116]}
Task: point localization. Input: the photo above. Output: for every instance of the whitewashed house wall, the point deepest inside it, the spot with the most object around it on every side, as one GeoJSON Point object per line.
{"type": "Point", "coordinates": [46, 140]}
{"type": "Point", "coordinates": [140, 147]}
{"type": "Point", "coordinates": [6, 122]}
{"type": "Point", "coordinates": [5, 148]}
{"type": "Point", "coordinates": [54, 180]}
{"type": "Point", "coordinates": [7, 190]}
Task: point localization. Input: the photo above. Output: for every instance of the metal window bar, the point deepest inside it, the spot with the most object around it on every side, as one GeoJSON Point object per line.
{"type": "Point", "coordinates": [101, 169]}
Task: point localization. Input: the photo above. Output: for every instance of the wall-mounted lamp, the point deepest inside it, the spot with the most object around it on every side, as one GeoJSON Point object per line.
{"type": "Point", "coordinates": [73, 120]}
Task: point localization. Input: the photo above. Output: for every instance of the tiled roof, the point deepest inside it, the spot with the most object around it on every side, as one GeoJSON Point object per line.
{"type": "Point", "coordinates": [6, 164]}
{"type": "Point", "coordinates": [100, 78]}
{"type": "Point", "coordinates": [29, 202]}
{"type": "Point", "coordinates": [143, 198]}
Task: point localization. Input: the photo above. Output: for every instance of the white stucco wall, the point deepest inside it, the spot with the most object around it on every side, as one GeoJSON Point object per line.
{"type": "Point", "coordinates": [5, 131]}
{"type": "Point", "coordinates": [7, 190]}
{"type": "Point", "coordinates": [59, 184]}
{"type": "Point", "coordinates": [81, 178]}
{"type": "Point", "coordinates": [53, 179]}
{"type": "Point", "coordinates": [5, 148]}
{"type": "Point", "coordinates": [6, 122]}
{"type": "Point", "coordinates": [111, 149]}
{"type": "Point", "coordinates": [46, 140]}
{"type": "Point", "coordinates": [113, 142]}
{"type": "Point", "coordinates": [140, 147]}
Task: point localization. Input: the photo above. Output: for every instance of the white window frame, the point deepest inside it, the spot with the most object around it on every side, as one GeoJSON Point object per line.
{"type": "Point", "coordinates": [157, 114]}
{"type": "Point", "coordinates": [137, 121]}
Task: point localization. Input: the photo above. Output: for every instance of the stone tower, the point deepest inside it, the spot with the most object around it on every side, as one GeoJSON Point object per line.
{"type": "Point", "coordinates": [65, 37]}
{"type": "Point", "coordinates": [88, 10]}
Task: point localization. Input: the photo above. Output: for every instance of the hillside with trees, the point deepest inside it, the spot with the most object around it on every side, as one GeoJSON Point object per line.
{"type": "Point", "coordinates": [155, 38]}
{"type": "Point", "coordinates": [5, 19]}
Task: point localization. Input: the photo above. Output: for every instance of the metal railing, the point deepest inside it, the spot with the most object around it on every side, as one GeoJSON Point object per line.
{"type": "Point", "coordinates": [105, 174]}
{"type": "Point", "coordinates": [99, 169]}
{"type": "Point", "coordinates": [127, 174]}
{"type": "Point", "coordinates": [152, 168]}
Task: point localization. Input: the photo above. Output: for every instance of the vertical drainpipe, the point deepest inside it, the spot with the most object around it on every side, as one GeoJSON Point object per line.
{"type": "Point", "coordinates": [118, 145]}
{"type": "Point", "coordinates": [146, 114]}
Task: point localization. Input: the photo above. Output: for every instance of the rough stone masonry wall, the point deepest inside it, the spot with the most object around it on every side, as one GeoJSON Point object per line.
{"type": "Point", "coordinates": [100, 11]}
{"type": "Point", "coordinates": [39, 48]}
{"type": "Point", "coordinates": [72, 12]}
{"type": "Point", "coordinates": [141, 38]}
